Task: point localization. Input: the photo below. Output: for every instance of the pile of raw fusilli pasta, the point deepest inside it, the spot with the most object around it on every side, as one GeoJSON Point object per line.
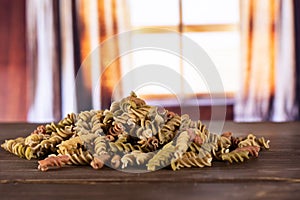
{"type": "Point", "coordinates": [131, 135]}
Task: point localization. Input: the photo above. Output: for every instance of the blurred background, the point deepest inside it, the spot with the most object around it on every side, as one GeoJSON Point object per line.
{"type": "Point", "coordinates": [254, 45]}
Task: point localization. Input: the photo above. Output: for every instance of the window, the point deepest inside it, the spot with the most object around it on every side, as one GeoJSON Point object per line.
{"type": "Point", "coordinates": [212, 24]}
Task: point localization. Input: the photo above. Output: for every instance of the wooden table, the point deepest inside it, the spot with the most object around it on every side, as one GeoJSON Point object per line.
{"type": "Point", "coordinates": [274, 175]}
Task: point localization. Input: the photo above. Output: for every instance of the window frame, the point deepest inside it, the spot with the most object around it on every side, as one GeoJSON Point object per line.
{"type": "Point", "coordinates": [190, 28]}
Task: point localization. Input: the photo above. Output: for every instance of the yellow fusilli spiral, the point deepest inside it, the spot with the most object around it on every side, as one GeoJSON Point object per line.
{"type": "Point", "coordinates": [35, 139]}
{"type": "Point", "coordinates": [250, 140]}
{"type": "Point", "coordinates": [191, 159]}
{"type": "Point", "coordinates": [80, 157]}
{"type": "Point", "coordinates": [69, 120]}
{"type": "Point", "coordinates": [162, 158]}
{"type": "Point", "coordinates": [235, 156]}
{"type": "Point", "coordinates": [70, 146]}
{"type": "Point", "coordinates": [17, 146]}
{"type": "Point", "coordinates": [123, 147]}
{"type": "Point", "coordinates": [262, 142]}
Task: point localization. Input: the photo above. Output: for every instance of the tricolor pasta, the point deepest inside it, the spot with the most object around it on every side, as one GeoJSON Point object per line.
{"type": "Point", "coordinates": [132, 135]}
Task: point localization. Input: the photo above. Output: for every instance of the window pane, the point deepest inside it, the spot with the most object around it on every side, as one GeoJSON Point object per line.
{"type": "Point", "coordinates": [210, 11]}
{"type": "Point", "coordinates": [154, 12]}
{"type": "Point", "coordinates": [149, 57]}
{"type": "Point", "coordinates": [223, 49]}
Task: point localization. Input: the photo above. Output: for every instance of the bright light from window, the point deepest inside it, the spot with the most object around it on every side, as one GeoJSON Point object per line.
{"type": "Point", "coordinates": [149, 57]}
{"type": "Point", "coordinates": [223, 49]}
{"type": "Point", "coordinates": [210, 11]}
{"type": "Point", "coordinates": [154, 12]}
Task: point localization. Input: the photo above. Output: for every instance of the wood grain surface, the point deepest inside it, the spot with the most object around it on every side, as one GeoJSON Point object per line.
{"type": "Point", "coordinates": [275, 174]}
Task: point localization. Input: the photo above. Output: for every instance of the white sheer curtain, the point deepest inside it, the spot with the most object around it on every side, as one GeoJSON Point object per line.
{"type": "Point", "coordinates": [268, 85]}
{"type": "Point", "coordinates": [61, 34]}
{"type": "Point", "coordinates": [285, 107]}
{"type": "Point", "coordinates": [42, 60]}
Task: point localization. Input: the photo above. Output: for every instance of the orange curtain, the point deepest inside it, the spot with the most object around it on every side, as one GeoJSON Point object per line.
{"type": "Point", "coordinates": [97, 22]}
{"type": "Point", "coordinates": [268, 62]}
{"type": "Point", "coordinates": [61, 36]}
{"type": "Point", "coordinates": [13, 87]}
